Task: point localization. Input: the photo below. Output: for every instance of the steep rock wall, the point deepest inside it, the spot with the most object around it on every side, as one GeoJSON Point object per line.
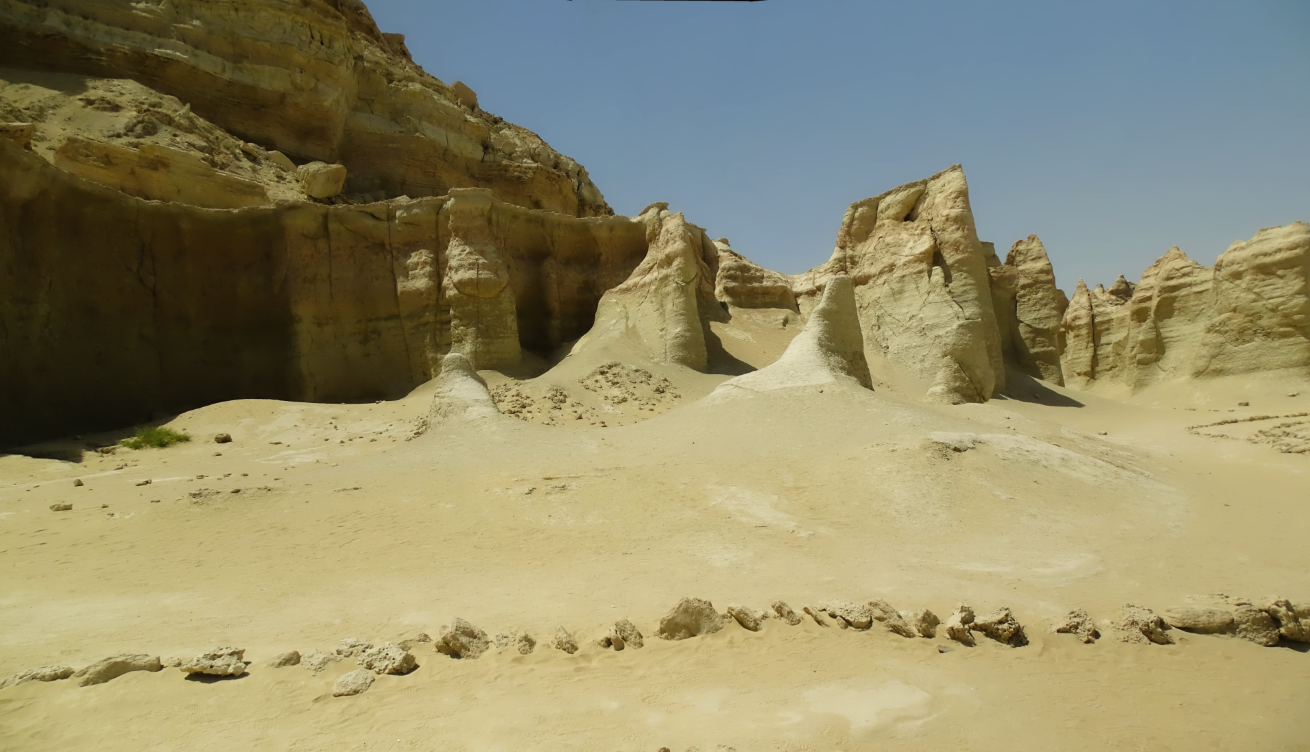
{"type": "Point", "coordinates": [113, 308]}
{"type": "Point", "coordinates": [1029, 310]}
{"type": "Point", "coordinates": [921, 284]}
{"type": "Point", "coordinates": [314, 79]}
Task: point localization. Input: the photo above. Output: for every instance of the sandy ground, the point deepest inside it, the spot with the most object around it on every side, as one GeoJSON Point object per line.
{"type": "Point", "coordinates": [321, 522]}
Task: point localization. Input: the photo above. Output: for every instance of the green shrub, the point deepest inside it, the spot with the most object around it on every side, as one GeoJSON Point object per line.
{"type": "Point", "coordinates": [155, 436]}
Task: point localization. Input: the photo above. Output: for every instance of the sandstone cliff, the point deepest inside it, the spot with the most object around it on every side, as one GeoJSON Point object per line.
{"type": "Point", "coordinates": [1029, 309]}
{"type": "Point", "coordinates": [921, 286]}
{"type": "Point", "coordinates": [315, 80]}
{"type": "Point", "coordinates": [1250, 313]}
{"type": "Point", "coordinates": [113, 308]}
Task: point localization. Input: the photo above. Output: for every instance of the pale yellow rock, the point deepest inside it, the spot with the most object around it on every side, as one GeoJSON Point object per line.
{"type": "Point", "coordinates": [158, 173]}
{"type": "Point", "coordinates": [321, 180]}
{"type": "Point", "coordinates": [1031, 309]}
{"type": "Point", "coordinates": [483, 317]}
{"type": "Point", "coordinates": [744, 284]}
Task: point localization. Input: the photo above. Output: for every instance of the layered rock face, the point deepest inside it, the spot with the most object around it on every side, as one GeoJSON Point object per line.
{"type": "Point", "coordinates": [1029, 309]}
{"type": "Point", "coordinates": [921, 284]}
{"type": "Point", "coordinates": [114, 308]}
{"type": "Point", "coordinates": [1250, 313]}
{"type": "Point", "coordinates": [315, 80]}
{"type": "Point", "coordinates": [741, 283]}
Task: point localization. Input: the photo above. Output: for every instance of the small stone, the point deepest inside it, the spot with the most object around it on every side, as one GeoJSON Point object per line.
{"type": "Point", "coordinates": [882, 611]}
{"type": "Point", "coordinates": [1199, 620]}
{"type": "Point", "coordinates": [564, 641]}
{"type": "Point", "coordinates": [1080, 624]}
{"type": "Point", "coordinates": [223, 438]}
{"type": "Point", "coordinates": [61, 507]}
{"type": "Point", "coordinates": [1256, 625]}
{"type": "Point", "coordinates": [1002, 627]}
{"type": "Point", "coordinates": [785, 613]}
{"type": "Point", "coordinates": [78, 483]}
{"type": "Point", "coordinates": [322, 180]}
{"type": "Point", "coordinates": [747, 618]}
{"type": "Point", "coordinates": [461, 639]}
{"type": "Point", "coordinates": [351, 647]}
{"type": "Point", "coordinates": [388, 659]}
{"type": "Point", "coordinates": [1142, 625]}
{"type": "Point", "coordinates": [218, 662]}
{"type": "Point", "coordinates": [1243, 404]}
{"type": "Point", "coordinates": [690, 618]}
{"type": "Point", "coordinates": [944, 649]}
{"type": "Point", "coordinates": [317, 660]}
{"type": "Point", "coordinates": [145, 482]}
{"type": "Point", "coordinates": [290, 658]}
{"type": "Point", "coordinates": [957, 626]}
{"type": "Point", "coordinates": [112, 668]}
{"type": "Point", "coordinates": [353, 683]}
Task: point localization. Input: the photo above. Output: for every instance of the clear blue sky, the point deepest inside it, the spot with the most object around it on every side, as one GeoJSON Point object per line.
{"type": "Point", "coordinates": [1113, 130]}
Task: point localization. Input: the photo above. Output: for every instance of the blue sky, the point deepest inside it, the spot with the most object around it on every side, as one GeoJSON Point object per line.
{"type": "Point", "coordinates": [1113, 130]}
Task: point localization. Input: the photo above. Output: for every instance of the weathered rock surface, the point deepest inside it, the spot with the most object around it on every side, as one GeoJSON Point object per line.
{"type": "Point", "coordinates": [829, 349]}
{"type": "Point", "coordinates": [387, 659]}
{"type": "Point", "coordinates": [890, 618]}
{"type": "Point", "coordinates": [742, 283]}
{"type": "Point", "coordinates": [785, 613]}
{"type": "Point", "coordinates": [690, 618]}
{"type": "Point", "coordinates": [921, 284]}
{"type": "Point", "coordinates": [460, 639]}
{"type": "Point", "coordinates": [628, 632]}
{"type": "Point", "coordinates": [852, 614]}
{"type": "Point", "coordinates": [1293, 621]}
{"type": "Point", "coordinates": [1199, 619]}
{"type": "Point", "coordinates": [218, 662]}
{"type": "Point", "coordinates": [748, 618]}
{"type": "Point", "coordinates": [1079, 624]}
{"type": "Point", "coordinates": [143, 303]}
{"type": "Point", "coordinates": [318, 81]}
{"type": "Point", "coordinates": [1029, 310]}
{"type": "Point", "coordinates": [1002, 627]}
{"type": "Point", "coordinates": [958, 626]}
{"type": "Point", "coordinates": [1256, 625]}
{"type": "Point", "coordinates": [283, 660]}
{"type": "Point", "coordinates": [321, 180]}
{"type": "Point", "coordinates": [42, 674]}
{"type": "Point", "coordinates": [353, 683]}
{"type": "Point", "coordinates": [350, 647]}
{"type": "Point", "coordinates": [524, 643]}
{"type": "Point", "coordinates": [112, 668]}
{"type": "Point", "coordinates": [923, 621]}
{"type": "Point", "coordinates": [317, 660]}
{"type": "Point", "coordinates": [815, 614]}
{"type": "Point", "coordinates": [1142, 625]}
{"type": "Point", "coordinates": [564, 641]}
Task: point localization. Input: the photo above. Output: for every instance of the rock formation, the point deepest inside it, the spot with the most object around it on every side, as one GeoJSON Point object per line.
{"type": "Point", "coordinates": [112, 668]}
{"type": "Point", "coordinates": [460, 393]}
{"type": "Point", "coordinates": [1142, 625]}
{"type": "Point", "coordinates": [690, 618]}
{"type": "Point", "coordinates": [219, 662]}
{"type": "Point", "coordinates": [921, 284]}
{"type": "Point", "coordinates": [741, 283]}
{"type": "Point", "coordinates": [42, 674]}
{"type": "Point", "coordinates": [1250, 313]}
{"type": "Point", "coordinates": [315, 80]}
{"type": "Point", "coordinates": [829, 349]}
{"type": "Point", "coordinates": [1029, 310]}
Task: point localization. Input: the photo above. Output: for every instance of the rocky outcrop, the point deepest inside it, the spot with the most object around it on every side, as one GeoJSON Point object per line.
{"type": "Point", "coordinates": [668, 300]}
{"type": "Point", "coordinates": [42, 674]}
{"type": "Point", "coordinates": [112, 668]}
{"type": "Point", "coordinates": [316, 80]}
{"type": "Point", "coordinates": [113, 308]}
{"type": "Point", "coordinates": [1260, 318]}
{"type": "Point", "coordinates": [1250, 313]}
{"type": "Point", "coordinates": [1029, 310]}
{"type": "Point", "coordinates": [741, 283]}
{"type": "Point", "coordinates": [829, 349]}
{"type": "Point", "coordinates": [921, 285]}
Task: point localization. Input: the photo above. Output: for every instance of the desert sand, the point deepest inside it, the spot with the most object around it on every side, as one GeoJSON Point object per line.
{"type": "Point", "coordinates": [476, 464]}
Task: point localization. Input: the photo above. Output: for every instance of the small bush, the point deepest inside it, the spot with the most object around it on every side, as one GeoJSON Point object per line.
{"type": "Point", "coordinates": [156, 437]}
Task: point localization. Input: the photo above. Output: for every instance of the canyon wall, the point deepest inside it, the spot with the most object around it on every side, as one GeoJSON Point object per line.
{"type": "Point", "coordinates": [314, 79]}
{"type": "Point", "coordinates": [113, 308]}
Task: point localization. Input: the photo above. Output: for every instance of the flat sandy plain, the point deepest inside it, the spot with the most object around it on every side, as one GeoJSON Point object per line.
{"type": "Point", "coordinates": [321, 522]}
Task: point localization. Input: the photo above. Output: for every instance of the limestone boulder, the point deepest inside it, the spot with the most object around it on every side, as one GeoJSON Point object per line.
{"type": "Point", "coordinates": [959, 626]}
{"type": "Point", "coordinates": [283, 660]}
{"type": "Point", "coordinates": [112, 668]}
{"type": "Point", "coordinates": [1293, 621]}
{"type": "Point", "coordinates": [317, 660]}
{"type": "Point", "coordinates": [1142, 626]}
{"type": "Point", "coordinates": [784, 612]}
{"type": "Point", "coordinates": [854, 615]}
{"type": "Point", "coordinates": [692, 617]}
{"type": "Point", "coordinates": [350, 647]}
{"type": "Point", "coordinates": [1079, 624]}
{"type": "Point", "coordinates": [889, 617]}
{"type": "Point", "coordinates": [321, 180]}
{"type": "Point", "coordinates": [460, 639]}
{"type": "Point", "coordinates": [923, 621]}
{"type": "Point", "coordinates": [353, 683]}
{"type": "Point", "coordinates": [749, 619]}
{"type": "Point", "coordinates": [1001, 626]}
{"type": "Point", "coordinates": [387, 659]}
{"type": "Point", "coordinates": [564, 641]}
{"type": "Point", "coordinates": [218, 662]}
{"type": "Point", "coordinates": [1256, 625]}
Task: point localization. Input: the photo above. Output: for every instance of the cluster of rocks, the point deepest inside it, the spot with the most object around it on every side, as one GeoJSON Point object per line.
{"type": "Point", "coordinates": [1268, 625]}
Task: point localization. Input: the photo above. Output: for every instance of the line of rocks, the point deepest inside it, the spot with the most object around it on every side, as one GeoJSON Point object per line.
{"type": "Point", "coordinates": [1267, 625]}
